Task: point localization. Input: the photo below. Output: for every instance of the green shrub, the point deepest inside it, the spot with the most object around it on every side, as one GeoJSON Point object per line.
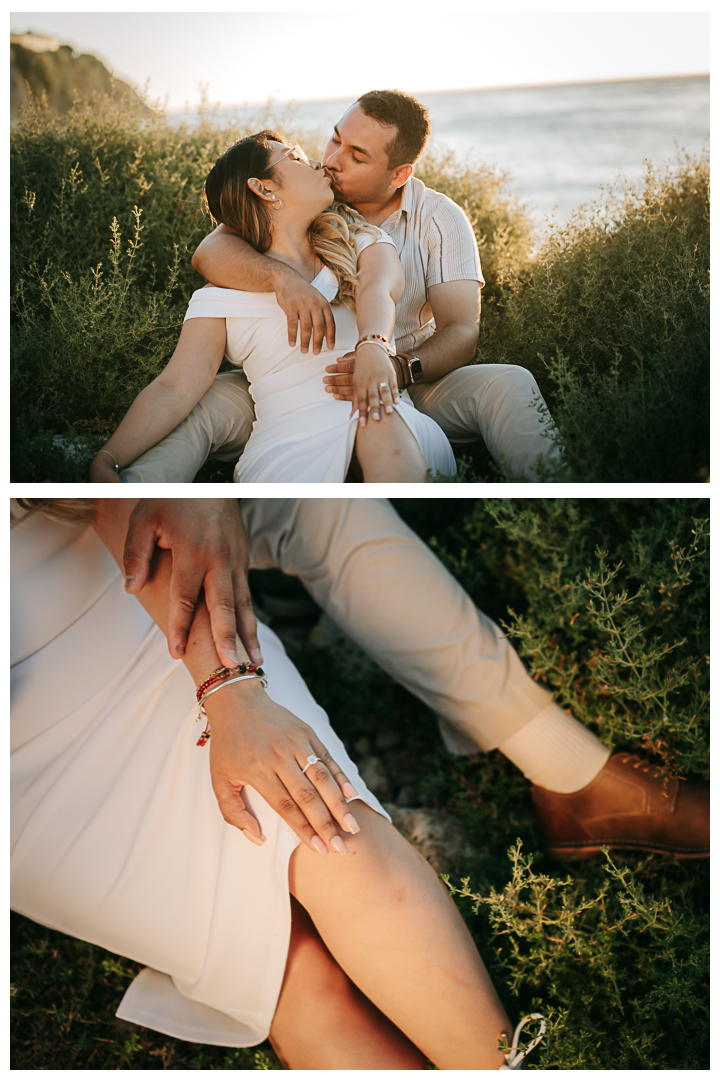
{"type": "Point", "coordinates": [621, 975]}
{"type": "Point", "coordinates": [607, 601]}
{"type": "Point", "coordinates": [612, 317]}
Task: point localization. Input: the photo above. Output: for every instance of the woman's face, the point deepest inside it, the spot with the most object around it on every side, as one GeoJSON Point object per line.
{"type": "Point", "coordinates": [299, 182]}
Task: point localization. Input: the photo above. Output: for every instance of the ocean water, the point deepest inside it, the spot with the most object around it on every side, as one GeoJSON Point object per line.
{"type": "Point", "coordinates": [559, 143]}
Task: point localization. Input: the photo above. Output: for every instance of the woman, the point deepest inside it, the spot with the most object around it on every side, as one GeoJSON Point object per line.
{"type": "Point", "coordinates": [318, 925]}
{"type": "Point", "coordinates": [278, 200]}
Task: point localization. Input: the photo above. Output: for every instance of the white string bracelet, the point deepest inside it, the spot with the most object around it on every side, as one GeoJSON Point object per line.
{"type": "Point", "coordinates": [240, 678]}
{"type": "Point", "coordinates": [117, 467]}
{"type": "Point", "coordinates": [228, 682]}
{"type": "Point", "coordinates": [515, 1058]}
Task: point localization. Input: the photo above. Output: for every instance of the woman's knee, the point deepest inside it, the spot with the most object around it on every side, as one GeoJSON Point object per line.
{"type": "Point", "coordinates": [381, 867]}
{"type": "Point", "coordinates": [387, 449]}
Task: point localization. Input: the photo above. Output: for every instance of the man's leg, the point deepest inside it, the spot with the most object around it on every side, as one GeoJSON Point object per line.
{"type": "Point", "coordinates": [500, 402]}
{"type": "Point", "coordinates": [388, 592]}
{"type": "Point", "coordinates": [218, 426]}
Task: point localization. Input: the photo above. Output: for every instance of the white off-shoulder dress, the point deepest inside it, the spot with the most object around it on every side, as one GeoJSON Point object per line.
{"type": "Point", "coordinates": [301, 434]}
{"type": "Point", "coordinates": [116, 834]}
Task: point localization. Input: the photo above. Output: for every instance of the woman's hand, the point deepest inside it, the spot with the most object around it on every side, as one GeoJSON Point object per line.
{"type": "Point", "coordinates": [258, 743]}
{"type": "Point", "coordinates": [210, 552]}
{"type": "Point", "coordinates": [102, 471]}
{"type": "Point", "coordinates": [255, 742]}
{"type": "Point", "coordinates": [374, 382]}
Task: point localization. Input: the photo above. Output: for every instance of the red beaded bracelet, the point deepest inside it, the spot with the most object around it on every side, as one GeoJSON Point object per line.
{"type": "Point", "coordinates": [378, 339]}
{"type": "Point", "coordinates": [258, 673]}
{"type": "Point", "coordinates": [220, 673]}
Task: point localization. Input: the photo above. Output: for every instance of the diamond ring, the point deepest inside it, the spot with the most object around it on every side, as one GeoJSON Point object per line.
{"type": "Point", "coordinates": [383, 385]}
{"type": "Point", "coordinates": [312, 760]}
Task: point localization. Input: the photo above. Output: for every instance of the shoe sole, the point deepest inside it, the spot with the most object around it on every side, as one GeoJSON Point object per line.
{"type": "Point", "coordinates": [581, 849]}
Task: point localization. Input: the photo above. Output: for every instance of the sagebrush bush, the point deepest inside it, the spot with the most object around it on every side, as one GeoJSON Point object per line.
{"type": "Point", "coordinates": [612, 317]}
{"type": "Point", "coordinates": [608, 603]}
{"type": "Point", "coordinates": [607, 600]}
{"type": "Point", "coordinates": [611, 314]}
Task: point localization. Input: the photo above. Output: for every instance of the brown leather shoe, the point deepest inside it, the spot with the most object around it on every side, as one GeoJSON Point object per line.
{"type": "Point", "coordinates": [626, 806]}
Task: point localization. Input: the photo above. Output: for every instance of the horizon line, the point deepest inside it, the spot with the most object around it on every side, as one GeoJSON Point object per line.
{"type": "Point", "coordinates": [468, 89]}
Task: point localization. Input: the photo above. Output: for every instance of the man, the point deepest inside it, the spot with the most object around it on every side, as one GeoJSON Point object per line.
{"type": "Point", "coordinates": [370, 159]}
{"type": "Point", "coordinates": [385, 589]}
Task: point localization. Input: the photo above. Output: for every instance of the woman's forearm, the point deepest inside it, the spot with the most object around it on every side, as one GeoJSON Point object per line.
{"type": "Point", "coordinates": [154, 413]}
{"type": "Point", "coordinates": [375, 309]}
{"type": "Point", "coordinates": [162, 405]}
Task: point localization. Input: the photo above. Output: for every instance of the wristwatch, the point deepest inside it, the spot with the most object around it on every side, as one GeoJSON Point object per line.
{"type": "Point", "coordinates": [414, 367]}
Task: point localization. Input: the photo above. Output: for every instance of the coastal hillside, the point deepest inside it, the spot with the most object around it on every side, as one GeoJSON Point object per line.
{"type": "Point", "coordinates": [42, 65]}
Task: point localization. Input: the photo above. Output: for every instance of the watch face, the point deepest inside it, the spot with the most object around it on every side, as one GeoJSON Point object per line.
{"type": "Point", "coordinates": [416, 370]}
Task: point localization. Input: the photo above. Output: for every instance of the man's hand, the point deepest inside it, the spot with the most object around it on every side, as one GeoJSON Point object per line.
{"type": "Point", "coordinates": [226, 259]}
{"type": "Point", "coordinates": [303, 304]}
{"type": "Point", "coordinates": [210, 552]}
{"type": "Point", "coordinates": [340, 385]}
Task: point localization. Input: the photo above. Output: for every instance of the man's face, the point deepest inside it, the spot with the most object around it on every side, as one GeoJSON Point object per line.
{"type": "Point", "coordinates": [355, 158]}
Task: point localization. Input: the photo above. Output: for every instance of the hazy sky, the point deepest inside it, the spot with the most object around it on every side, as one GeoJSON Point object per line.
{"type": "Point", "coordinates": [289, 55]}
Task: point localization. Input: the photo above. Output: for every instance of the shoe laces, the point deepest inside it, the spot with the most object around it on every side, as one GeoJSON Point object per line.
{"type": "Point", "coordinates": [642, 765]}
{"type": "Point", "coordinates": [515, 1058]}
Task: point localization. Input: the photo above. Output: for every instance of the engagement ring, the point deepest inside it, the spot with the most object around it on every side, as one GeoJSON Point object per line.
{"type": "Point", "coordinates": [312, 760]}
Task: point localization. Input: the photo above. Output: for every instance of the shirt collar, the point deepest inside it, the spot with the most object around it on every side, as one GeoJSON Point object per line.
{"type": "Point", "coordinates": [410, 195]}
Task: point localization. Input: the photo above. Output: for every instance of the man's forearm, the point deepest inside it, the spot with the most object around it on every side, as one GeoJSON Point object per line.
{"type": "Point", "coordinates": [231, 263]}
{"type": "Point", "coordinates": [450, 348]}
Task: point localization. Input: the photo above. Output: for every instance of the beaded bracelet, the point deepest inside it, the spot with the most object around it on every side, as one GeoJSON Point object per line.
{"type": "Point", "coordinates": [375, 339]}
{"type": "Point", "coordinates": [259, 674]}
{"type": "Point", "coordinates": [220, 673]}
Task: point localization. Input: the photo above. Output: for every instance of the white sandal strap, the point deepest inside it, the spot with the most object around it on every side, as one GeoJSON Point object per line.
{"type": "Point", "coordinates": [515, 1058]}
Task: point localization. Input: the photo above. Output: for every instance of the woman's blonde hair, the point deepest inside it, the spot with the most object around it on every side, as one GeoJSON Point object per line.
{"type": "Point", "coordinates": [78, 511]}
{"type": "Point", "coordinates": [230, 201]}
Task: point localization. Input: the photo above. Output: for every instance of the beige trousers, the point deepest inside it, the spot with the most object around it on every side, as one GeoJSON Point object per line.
{"type": "Point", "coordinates": [499, 402]}
{"type": "Point", "coordinates": [387, 591]}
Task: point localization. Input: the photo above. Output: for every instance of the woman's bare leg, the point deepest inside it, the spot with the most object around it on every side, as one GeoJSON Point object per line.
{"type": "Point", "coordinates": [394, 930]}
{"type": "Point", "coordinates": [388, 452]}
{"type": "Point", "coordinates": [322, 1021]}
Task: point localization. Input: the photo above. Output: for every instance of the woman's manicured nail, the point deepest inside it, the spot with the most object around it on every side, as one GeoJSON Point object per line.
{"type": "Point", "coordinates": [129, 581]}
{"type": "Point", "coordinates": [350, 825]}
{"type": "Point", "coordinates": [257, 840]}
{"type": "Point", "coordinates": [349, 791]}
{"type": "Point", "coordinates": [232, 656]}
{"type": "Point", "coordinates": [389, 409]}
{"type": "Point", "coordinates": [338, 845]}
{"type": "Point", "coordinates": [256, 656]}
{"type": "Point", "coordinates": [376, 416]}
{"type": "Point", "coordinates": [318, 845]}
{"type": "Point", "coordinates": [363, 421]}
{"type": "Point", "coordinates": [180, 649]}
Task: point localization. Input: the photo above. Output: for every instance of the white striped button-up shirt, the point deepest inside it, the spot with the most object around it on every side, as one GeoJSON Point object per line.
{"type": "Point", "coordinates": [435, 243]}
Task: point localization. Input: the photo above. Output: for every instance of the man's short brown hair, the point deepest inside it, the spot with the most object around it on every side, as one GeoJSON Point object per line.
{"type": "Point", "coordinates": [394, 108]}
